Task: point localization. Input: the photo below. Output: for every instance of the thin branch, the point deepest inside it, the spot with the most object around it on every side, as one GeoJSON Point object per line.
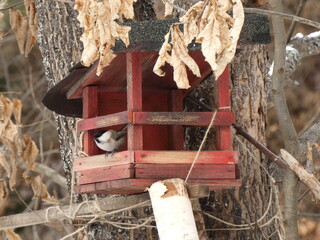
{"type": "Point", "coordinates": [283, 15]}
{"type": "Point", "coordinates": [56, 213]}
{"type": "Point", "coordinates": [278, 160]}
{"type": "Point", "coordinates": [285, 121]}
{"type": "Point", "coordinates": [11, 6]}
{"type": "Point", "coordinates": [293, 23]}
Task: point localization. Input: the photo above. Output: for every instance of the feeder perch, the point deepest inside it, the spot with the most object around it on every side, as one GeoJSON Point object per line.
{"type": "Point", "coordinates": [128, 92]}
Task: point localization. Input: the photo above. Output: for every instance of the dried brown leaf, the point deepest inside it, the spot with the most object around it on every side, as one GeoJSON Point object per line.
{"type": "Point", "coordinates": [180, 57]}
{"type": "Point", "coordinates": [25, 28]}
{"type": "Point", "coordinates": [3, 193]}
{"type": "Point", "coordinates": [19, 25]}
{"type": "Point", "coordinates": [10, 136]}
{"type": "Point", "coordinates": [228, 53]}
{"type": "Point", "coordinates": [11, 235]}
{"type": "Point", "coordinates": [210, 39]}
{"type": "Point", "coordinates": [40, 190]}
{"type": "Point", "coordinates": [164, 56]}
{"type": "Point", "coordinates": [32, 26]}
{"type": "Point", "coordinates": [168, 4]}
{"type": "Point", "coordinates": [6, 108]}
{"type": "Point", "coordinates": [29, 153]}
{"type": "Point", "coordinates": [127, 8]}
{"type": "Point", "coordinates": [14, 171]}
{"type": "Point", "coordinates": [191, 22]}
{"type": "Point", "coordinates": [98, 18]}
{"type": "Point", "coordinates": [5, 164]}
{"type": "Point", "coordinates": [17, 106]}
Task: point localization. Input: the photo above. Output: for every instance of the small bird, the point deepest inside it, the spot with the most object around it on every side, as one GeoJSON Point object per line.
{"type": "Point", "coordinates": [110, 140]}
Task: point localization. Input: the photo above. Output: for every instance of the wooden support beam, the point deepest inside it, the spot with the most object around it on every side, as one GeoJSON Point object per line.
{"type": "Point", "coordinates": [134, 98]}
{"type": "Point", "coordinates": [223, 133]}
{"type": "Point", "coordinates": [90, 109]}
{"type": "Point", "coordinates": [186, 157]}
{"type": "Point", "coordinates": [105, 121]}
{"type": "Point", "coordinates": [183, 118]}
{"type": "Point", "coordinates": [130, 186]}
{"type": "Point", "coordinates": [200, 171]}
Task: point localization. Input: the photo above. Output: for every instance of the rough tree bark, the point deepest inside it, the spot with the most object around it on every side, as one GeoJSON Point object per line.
{"type": "Point", "coordinates": [59, 35]}
{"type": "Point", "coordinates": [250, 202]}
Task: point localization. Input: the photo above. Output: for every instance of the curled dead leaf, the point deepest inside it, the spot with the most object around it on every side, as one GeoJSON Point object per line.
{"type": "Point", "coordinates": [17, 106]}
{"type": "Point", "coordinates": [25, 28]}
{"type": "Point", "coordinates": [168, 5]}
{"type": "Point", "coordinates": [40, 190]}
{"type": "Point", "coordinates": [29, 153]}
{"type": "Point", "coordinates": [11, 235]}
{"type": "Point", "coordinates": [3, 193]}
{"type": "Point", "coordinates": [210, 24]}
{"type": "Point", "coordinates": [98, 18]}
{"type": "Point", "coordinates": [164, 56]}
{"type": "Point", "coordinates": [5, 164]}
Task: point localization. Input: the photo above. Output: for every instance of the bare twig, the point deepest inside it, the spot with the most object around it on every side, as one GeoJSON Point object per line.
{"type": "Point", "coordinates": [11, 6]}
{"type": "Point", "coordinates": [278, 160]}
{"type": "Point", "coordinates": [283, 15]}
{"type": "Point", "coordinates": [51, 214]}
{"type": "Point", "coordinates": [285, 122]}
{"type": "Point", "coordinates": [293, 23]}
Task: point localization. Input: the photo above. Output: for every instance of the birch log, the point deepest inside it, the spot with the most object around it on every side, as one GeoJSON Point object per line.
{"type": "Point", "coordinates": [172, 210]}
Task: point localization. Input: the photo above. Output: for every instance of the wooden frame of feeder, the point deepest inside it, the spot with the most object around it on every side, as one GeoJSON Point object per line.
{"type": "Point", "coordinates": [128, 92]}
{"type": "Point", "coordinates": [131, 171]}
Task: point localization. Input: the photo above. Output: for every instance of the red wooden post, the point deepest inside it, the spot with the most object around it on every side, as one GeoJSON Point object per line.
{"type": "Point", "coordinates": [134, 98]}
{"type": "Point", "coordinates": [223, 134]}
{"type": "Point", "coordinates": [90, 109]}
{"type": "Point", "coordinates": [176, 132]}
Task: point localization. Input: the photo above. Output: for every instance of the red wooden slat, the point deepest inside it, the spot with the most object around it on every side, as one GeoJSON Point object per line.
{"type": "Point", "coordinates": [105, 173]}
{"type": "Point", "coordinates": [97, 161]}
{"type": "Point", "coordinates": [130, 186]}
{"type": "Point", "coordinates": [90, 109]}
{"type": "Point", "coordinates": [134, 97]}
{"type": "Point", "coordinates": [183, 118]}
{"type": "Point", "coordinates": [105, 121]}
{"type": "Point", "coordinates": [223, 134]}
{"type": "Point", "coordinates": [200, 171]}
{"type": "Point", "coordinates": [186, 157]}
{"type": "Point", "coordinates": [176, 139]}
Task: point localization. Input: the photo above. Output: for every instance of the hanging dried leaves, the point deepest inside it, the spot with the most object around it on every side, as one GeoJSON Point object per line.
{"type": "Point", "coordinates": [209, 24]}
{"type": "Point", "coordinates": [18, 148]}
{"type": "Point", "coordinates": [168, 6]}
{"type": "Point", "coordinates": [39, 189]}
{"type": "Point", "coordinates": [25, 27]}
{"type": "Point", "coordinates": [98, 18]}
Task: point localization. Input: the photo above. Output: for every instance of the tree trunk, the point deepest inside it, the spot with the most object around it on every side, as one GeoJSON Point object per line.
{"type": "Point", "coordinates": [59, 35]}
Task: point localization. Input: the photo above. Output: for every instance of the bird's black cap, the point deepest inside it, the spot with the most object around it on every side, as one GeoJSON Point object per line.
{"type": "Point", "coordinates": [98, 134]}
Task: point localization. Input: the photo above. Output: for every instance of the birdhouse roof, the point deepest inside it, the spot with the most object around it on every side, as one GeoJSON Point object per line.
{"type": "Point", "coordinates": [145, 37]}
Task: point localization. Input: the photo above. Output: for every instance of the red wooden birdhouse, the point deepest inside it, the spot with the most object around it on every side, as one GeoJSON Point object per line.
{"type": "Point", "coordinates": [128, 92]}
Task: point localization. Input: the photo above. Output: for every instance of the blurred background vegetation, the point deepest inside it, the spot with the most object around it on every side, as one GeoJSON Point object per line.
{"type": "Point", "coordinates": [23, 78]}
